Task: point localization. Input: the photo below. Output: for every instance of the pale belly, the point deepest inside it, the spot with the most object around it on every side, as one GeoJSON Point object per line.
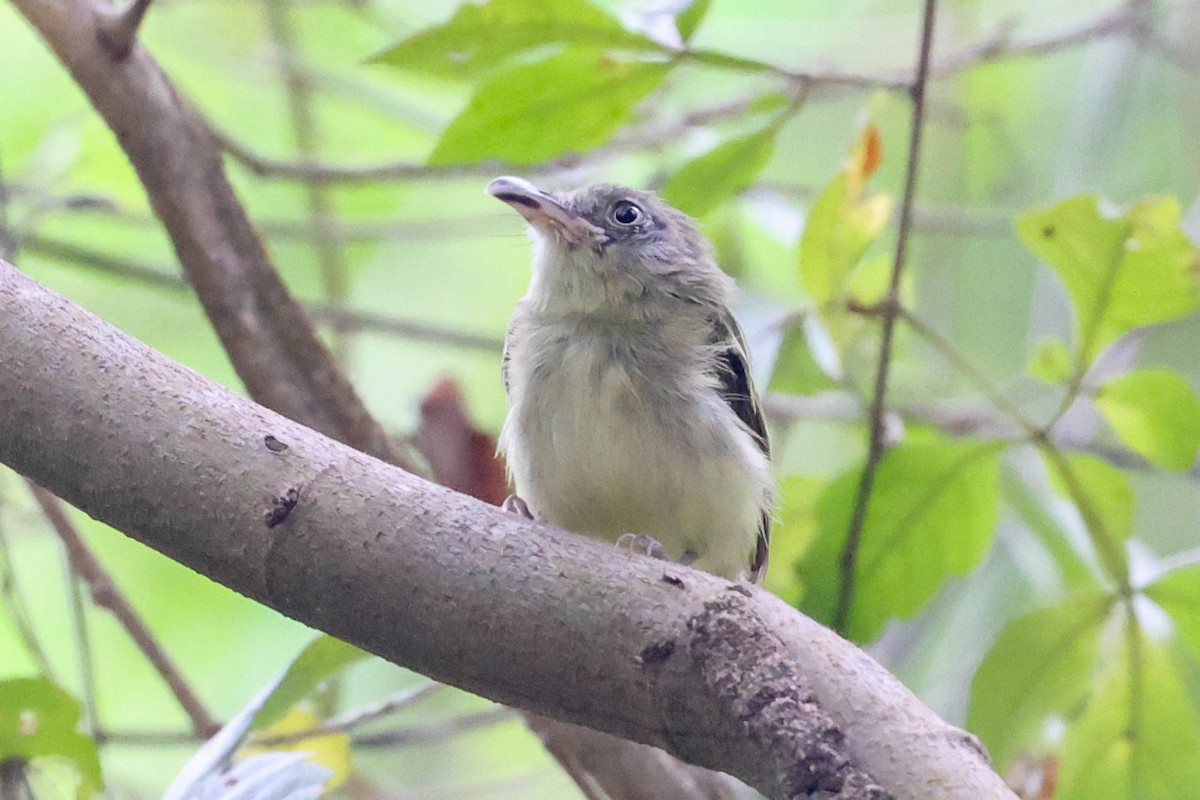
{"type": "Point", "coordinates": [604, 461]}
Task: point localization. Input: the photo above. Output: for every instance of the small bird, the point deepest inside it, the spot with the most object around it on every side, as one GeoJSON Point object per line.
{"type": "Point", "coordinates": [631, 408]}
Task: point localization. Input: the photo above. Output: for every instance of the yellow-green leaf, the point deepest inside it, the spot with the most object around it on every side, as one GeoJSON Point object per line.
{"type": "Point", "coordinates": [482, 35]}
{"type": "Point", "coordinates": [40, 720]}
{"type": "Point", "coordinates": [689, 19]}
{"type": "Point", "coordinates": [1038, 667]}
{"type": "Point", "coordinates": [1156, 413]}
{"type": "Point", "coordinates": [570, 102]}
{"type": "Point", "coordinates": [1051, 361]}
{"type": "Point", "coordinates": [1178, 593]}
{"type": "Point", "coordinates": [1120, 271]}
{"type": "Point", "coordinates": [322, 658]}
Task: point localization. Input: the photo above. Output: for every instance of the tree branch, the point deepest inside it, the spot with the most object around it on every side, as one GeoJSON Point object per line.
{"type": "Point", "coordinates": [722, 675]}
{"type": "Point", "coordinates": [269, 338]}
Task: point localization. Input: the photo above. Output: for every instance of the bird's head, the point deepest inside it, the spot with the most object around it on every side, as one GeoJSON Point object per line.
{"type": "Point", "coordinates": [606, 248]}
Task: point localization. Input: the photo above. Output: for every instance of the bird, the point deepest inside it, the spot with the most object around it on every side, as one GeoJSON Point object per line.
{"type": "Point", "coordinates": [632, 416]}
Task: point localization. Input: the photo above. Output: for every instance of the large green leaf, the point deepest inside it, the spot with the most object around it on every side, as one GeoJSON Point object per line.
{"type": "Point", "coordinates": [932, 514]}
{"type": "Point", "coordinates": [1156, 413]}
{"type": "Point", "coordinates": [570, 102]}
{"type": "Point", "coordinates": [480, 36]}
{"type": "Point", "coordinates": [1039, 666]}
{"type": "Point", "coordinates": [1120, 272]}
{"type": "Point", "coordinates": [323, 658]}
{"type": "Point", "coordinates": [705, 182]}
{"type": "Point", "coordinates": [39, 719]}
{"type": "Point", "coordinates": [1138, 738]}
{"type": "Point", "coordinates": [1178, 593]}
{"type": "Point", "coordinates": [796, 370]}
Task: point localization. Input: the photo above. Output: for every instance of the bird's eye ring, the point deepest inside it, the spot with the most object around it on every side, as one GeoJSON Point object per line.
{"type": "Point", "coordinates": [626, 213]}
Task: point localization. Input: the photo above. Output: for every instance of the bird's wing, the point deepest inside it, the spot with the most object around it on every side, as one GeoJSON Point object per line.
{"type": "Point", "coordinates": [737, 389]}
{"type": "Point", "coordinates": [507, 354]}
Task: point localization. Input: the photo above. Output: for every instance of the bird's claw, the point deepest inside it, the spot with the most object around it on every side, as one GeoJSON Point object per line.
{"type": "Point", "coordinates": [642, 544]}
{"type": "Point", "coordinates": [515, 505]}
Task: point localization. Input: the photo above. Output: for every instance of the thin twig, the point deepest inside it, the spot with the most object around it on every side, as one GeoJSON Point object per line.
{"type": "Point", "coordinates": [400, 701]}
{"type": "Point", "coordinates": [322, 217]}
{"type": "Point", "coordinates": [349, 319]}
{"type": "Point", "coordinates": [17, 610]}
{"type": "Point", "coordinates": [106, 594]}
{"type": "Point", "coordinates": [438, 731]}
{"type": "Point", "coordinates": [849, 558]}
{"type": "Point", "coordinates": [83, 640]}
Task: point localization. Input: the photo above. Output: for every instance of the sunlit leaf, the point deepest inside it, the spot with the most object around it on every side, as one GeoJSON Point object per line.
{"type": "Point", "coordinates": [932, 514]}
{"type": "Point", "coordinates": [1178, 593]}
{"type": "Point", "coordinates": [570, 102]}
{"type": "Point", "coordinates": [842, 223]}
{"type": "Point", "coordinates": [1039, 667]}
{"type": "Point", "coordinates": [480, 36]}
{"type": "Point", "coordinates": [1104, 499]}
{"type": "Point", "coordinates": [1156, 413]}
{"type": "Point", "coordinates": [689, 19]}
{"type": "Point", "coordinates": [323, 658]}
{"type": "Point", "coordinates": [40, 720]}
{"type": "Point", "coordinates": [1051, 361]}
{"type": "Point", "coordinates": [331, 750]}
{"type": "Point", "coordinates": [1138, 738]}
{"type": "Point", "coordinates": [1120, 272]}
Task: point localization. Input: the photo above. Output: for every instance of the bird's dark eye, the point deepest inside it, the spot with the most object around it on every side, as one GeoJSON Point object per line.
{"type": "Point", "coordinates": [626, 213]}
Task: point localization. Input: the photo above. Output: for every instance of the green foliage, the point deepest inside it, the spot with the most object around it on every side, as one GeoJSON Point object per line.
{"type": "Point", "coordinates": [1105, 500]}
{"type": "Point", "coordinates": [1156, 413]}
{"type": "Point", "coordinates": [1040, 666]}
{"type": "Point", "coordinates": [1121, 272]}
{"type": "Point", "coordinates": [1178, 593]}
{"type": "Point", "coordinates": [932, 514]}
{"type": "Point", "coordinates": [689, 19]}
{"type": "Point", "coordinates": [1051, 361]}
{"type": "Point", "coordinates": [796, 371]}
{"type": "Point", "coordinates": [323, 658]}
{"type": "Point", "coordinates": [705, 182]}
{"type": "Point", "coordinates": [567, 103]}
{"type": "Point", "coordinates": [482, 35]}
{"type": "Point", "coordinates": [40, 720]}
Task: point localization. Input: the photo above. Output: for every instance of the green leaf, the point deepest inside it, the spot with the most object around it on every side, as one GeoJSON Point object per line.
{"type": "Point", "coordinates": [323, 658]}
{"type": "Point", "coordinates": [1120, 272]}
{"type": "Point", "coordinates": [796, 527]}
{"type": "Point", "coordinates": [1156, 413]}
{"type": "Point", "coordinates": [1039, 666]}
{"type": "Point", "coordinates": [1051, 362]}
{"type": "Point", "coordinates": [704, 183]}
{"type": "Point", "coordinates": [1106, 489]}
{"type": "Point", "coordinates": [842, 224]}
{"type": "Point", "coordinates": [480, 36]}
{"type": "Point", "coordinates": [39, 719]}
{"type": "Point", "coordinates": [689, 19]}
{"type": "Point", "coordinates": [570, 102]}
{"type": "Point", "coordinates": [1138, 738]}
{"type": "Point", "coordinates": [932, 514]}
{"type": "Point", "coordinates": [796, 371]}
{"type": "Point", "coordinates": [1178, 593]}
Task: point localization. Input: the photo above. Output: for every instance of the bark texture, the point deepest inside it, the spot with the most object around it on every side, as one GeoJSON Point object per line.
{"type": "Point", "coordinates": [721, 674]}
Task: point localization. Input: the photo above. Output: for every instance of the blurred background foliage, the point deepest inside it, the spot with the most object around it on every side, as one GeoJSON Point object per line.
{"type": "Point", "coordinates": [1029, 562]}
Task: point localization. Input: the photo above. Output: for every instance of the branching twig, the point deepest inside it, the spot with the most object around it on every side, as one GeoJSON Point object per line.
{"type": "Point", "coordinates": [106, 594]}
{"type": "Point", "coordinates": [892, 307]}
{"type": "Point", "coordinates": [118, 30]}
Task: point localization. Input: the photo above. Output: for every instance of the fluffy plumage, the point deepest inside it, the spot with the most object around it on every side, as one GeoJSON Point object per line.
{"type": "Point", "coordinates": [631, 408]}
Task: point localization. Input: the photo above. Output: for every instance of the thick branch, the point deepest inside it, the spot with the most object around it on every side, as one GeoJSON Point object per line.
{"type": "Point", "coordinates": [269, 338]}
{"type": "Point", "coordinates": [723, 675]}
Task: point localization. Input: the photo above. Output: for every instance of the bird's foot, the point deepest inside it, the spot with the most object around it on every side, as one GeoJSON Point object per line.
{"type": "Point", "coordinates": [642, 544]}
{"type": "Point", "coordinates": [515, 505]}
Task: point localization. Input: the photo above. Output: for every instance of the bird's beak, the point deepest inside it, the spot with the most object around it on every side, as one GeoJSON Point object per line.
{"type": "Point", "coordinates": [543, 211]}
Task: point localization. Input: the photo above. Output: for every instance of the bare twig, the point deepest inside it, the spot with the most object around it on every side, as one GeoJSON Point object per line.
{"type": "Point", "coordinates": [83, 640]}
{"type": "Point", "coordinates": [106, 594]}
{"type": "Point", "coordinates": [322, 217]}
{"type": "Point", "coordinates": [349, 319]}
{"type": "Point", "coordinates": [117, 31]}
{"type": "Point", "coordinates": [435, 732]}
{"type": "Point", "coordinates": [400, 701]}
{"type": "Point", "coordinates": [891, 309]}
